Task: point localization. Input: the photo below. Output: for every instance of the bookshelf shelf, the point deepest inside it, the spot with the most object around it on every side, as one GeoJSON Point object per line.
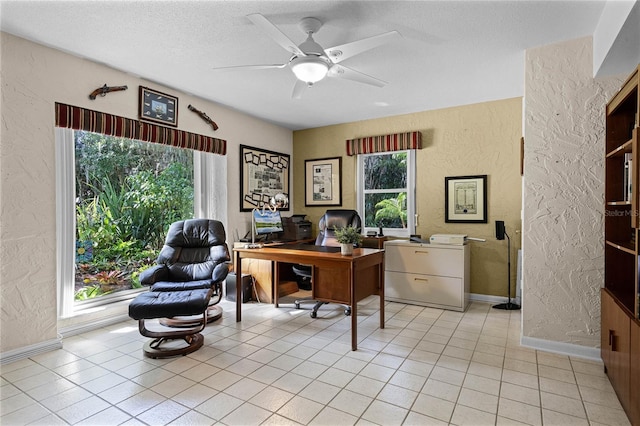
{"type": "Point", "coordinates": [625, 148]}
{"type": "Point", "coordinates": [628, 247]}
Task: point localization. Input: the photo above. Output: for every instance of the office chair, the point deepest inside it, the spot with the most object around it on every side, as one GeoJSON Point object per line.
{"type": "Point", "coordinates": [329, 222]}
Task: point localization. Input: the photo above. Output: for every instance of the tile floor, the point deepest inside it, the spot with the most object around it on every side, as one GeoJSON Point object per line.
{"type": "Point", "coordinates": [280, 367]}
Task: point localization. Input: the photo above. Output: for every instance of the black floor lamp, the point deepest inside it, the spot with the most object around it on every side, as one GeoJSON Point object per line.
{"type": "Point", "coordinates": [501, 232]}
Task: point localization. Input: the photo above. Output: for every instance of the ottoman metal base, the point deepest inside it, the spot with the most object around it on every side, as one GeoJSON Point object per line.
{"type": "Point", "coordinates": [165, 347]}
{"type": "Point", "coordinates": [214, 313]}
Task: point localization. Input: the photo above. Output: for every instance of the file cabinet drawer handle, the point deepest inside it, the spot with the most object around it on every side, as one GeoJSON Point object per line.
{"type": "Point", "coordinates": [421, 251]}
{"type": "Point", "coordinates": [421, 279]}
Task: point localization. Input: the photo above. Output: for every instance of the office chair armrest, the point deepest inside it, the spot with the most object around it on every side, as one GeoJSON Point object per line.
{"type": "Point", "coordinates": [154, 274]}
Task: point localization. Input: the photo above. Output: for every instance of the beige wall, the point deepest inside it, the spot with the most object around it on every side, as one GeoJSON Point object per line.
{"type": "Point", "coordinates": [467, 140]}
{"type": "Point", "coordinates": [33, 78]}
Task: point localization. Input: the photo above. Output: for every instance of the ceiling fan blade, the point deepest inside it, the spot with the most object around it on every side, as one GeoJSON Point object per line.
{"type": "Point", "coordinates": [350, 74]}
{"type": "Point", "coordinates": [273, 32]}
{"type": "Point", "coordinates": [347, 50]}
{"type": "Point", "coordinates": [251, 67]}
{"type": "Point", "coordinates": [298, 89]}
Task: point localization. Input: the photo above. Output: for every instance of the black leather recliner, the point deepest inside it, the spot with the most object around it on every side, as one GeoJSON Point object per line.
{"type": "Point", "coordinates": [189, 272]}
{"type": "Point", "coordinates": [329, 222]}
{"type": "Point", "coordinates": [194, 256]}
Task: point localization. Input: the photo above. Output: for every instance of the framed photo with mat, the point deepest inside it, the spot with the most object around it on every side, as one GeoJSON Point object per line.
{"type": "Point", "coordinates": [465, 199]}
{"type": "Point", "coordinates": [323, 182]}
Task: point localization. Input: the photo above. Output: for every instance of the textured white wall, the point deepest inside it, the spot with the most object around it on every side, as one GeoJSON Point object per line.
{"type": "Point", "coordinates": [33, 78]}
{"type": "Point", "coordinates": [563, 231]}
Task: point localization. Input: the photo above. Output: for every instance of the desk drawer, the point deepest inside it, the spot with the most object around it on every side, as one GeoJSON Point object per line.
{"type": "Point", "coordinates": [424, 289]}
{"type": "Point", "coordinates": [419, 259]}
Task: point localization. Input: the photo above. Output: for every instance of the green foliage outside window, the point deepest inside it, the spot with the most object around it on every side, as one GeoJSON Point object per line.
{"type": "Point", "coordinates": [385, 185]}
{"type": "Point", "coordinates": [128, 193]}
{"type": "Point", "coordinates": [391, 210]}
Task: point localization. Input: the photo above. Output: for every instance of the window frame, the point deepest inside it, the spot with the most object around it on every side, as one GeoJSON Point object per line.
{"type": "Point", "coordinates": [410, 189]}
{"type": "Point", "coordinates": [209, 201]}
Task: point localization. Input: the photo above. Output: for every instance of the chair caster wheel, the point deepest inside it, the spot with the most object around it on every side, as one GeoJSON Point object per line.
{"type": "Point", "coordinates": [313, 314]}
{"type": "Point", "coordinates": [347, 311]}
{"type": "Point", "coordinates": [297, 305]}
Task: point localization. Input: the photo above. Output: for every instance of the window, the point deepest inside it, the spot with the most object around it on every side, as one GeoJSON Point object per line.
{"type": "Point", "coordinates": [116, 199]}
{"type": "Point", "coordinates": [386, 192]}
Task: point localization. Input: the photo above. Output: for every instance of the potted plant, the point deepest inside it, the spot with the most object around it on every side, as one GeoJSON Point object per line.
{"type": "Point", "coordinates": [347, 237]}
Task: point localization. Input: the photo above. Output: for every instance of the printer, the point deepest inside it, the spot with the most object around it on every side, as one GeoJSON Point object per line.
{"type": "Point", "coordinates": [453, 239]}
{"type": "Point", "coordinates": [296, 227]}
{"type": "Point", "coordinates": [450, 239]}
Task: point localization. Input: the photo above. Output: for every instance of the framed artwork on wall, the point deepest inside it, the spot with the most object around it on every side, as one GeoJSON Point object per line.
{"type": "Point", "coordinates": [465, 199]}
{"type": "Point", "coordinates": [323, 182]}
{"type": "Point", "coordinates": [263, 174]}
{"type": "Point", "coordinates": [158, 107]}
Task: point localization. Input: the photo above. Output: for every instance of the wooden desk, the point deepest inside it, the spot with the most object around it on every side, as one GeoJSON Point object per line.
{"type": "Point", "coordinates": [263, 273]}
{"type": "Point", "coordinates": [336, 278]}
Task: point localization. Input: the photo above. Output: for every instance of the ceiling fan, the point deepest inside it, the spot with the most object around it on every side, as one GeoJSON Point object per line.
{"type": "Point", "coordinates": [311, 62]}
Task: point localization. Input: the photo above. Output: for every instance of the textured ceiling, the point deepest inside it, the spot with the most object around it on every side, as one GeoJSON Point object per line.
{"type": "Point", "coordinates": [450, 53]}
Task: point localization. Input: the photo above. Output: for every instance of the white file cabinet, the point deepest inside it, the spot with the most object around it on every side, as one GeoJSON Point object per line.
{"type": "Point", "coordinates": [427, 274]}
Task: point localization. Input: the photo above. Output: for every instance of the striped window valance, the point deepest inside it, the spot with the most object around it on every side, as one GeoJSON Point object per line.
{"type": "Point", "coordinates": [93, 121]}
{"type": "Point", "coordinates": [383, 143]}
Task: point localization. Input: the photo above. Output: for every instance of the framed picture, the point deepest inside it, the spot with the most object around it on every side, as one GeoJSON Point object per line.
{"type": "Point", "coordinates": [465, 199]}
{"type": "Point", "coordinates": [158, 107]}
{"type": "Point", "coordinates": [263, 174]}
{"type": "Point", "coordinates": [323, 182]}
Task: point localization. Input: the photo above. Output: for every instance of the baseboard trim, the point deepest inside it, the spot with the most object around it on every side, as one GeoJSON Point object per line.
{"type": "Point", "coordinates": [562, 348]}
{"type": "Point", "coordinates": [52, 345]}
{"type": "Point", "coordinates": [29, 351]}
{"type": "Point", "coordinates": [75, 329]}
{"type": "Point", "coordinates": [569, 349]}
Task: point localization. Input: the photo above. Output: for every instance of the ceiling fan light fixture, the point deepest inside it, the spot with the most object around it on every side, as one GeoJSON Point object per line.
{"type": "Point", "coordinates": [309, 69]}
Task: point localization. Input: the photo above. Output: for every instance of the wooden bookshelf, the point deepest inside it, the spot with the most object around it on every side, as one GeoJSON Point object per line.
{"type": "Point", "coordinates": [620, 316]}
